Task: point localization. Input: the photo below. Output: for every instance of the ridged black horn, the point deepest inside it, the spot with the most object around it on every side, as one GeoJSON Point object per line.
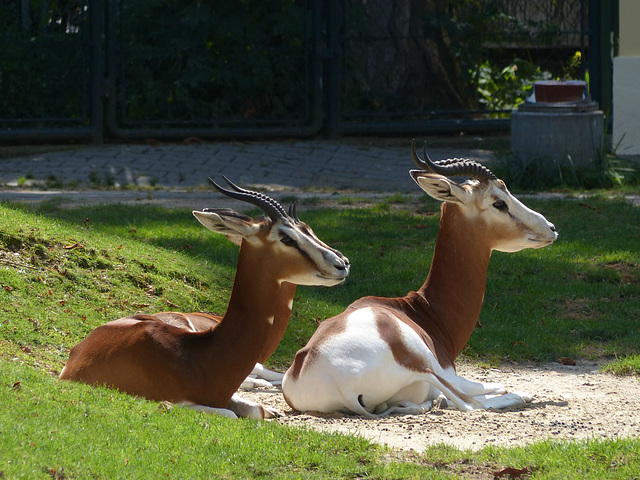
{"type": "Point", "coordinates": [272, 208]}
{"type": "Point", "coordinates": [451, 167]}
{"type": "Point", "coordinates": [293, 213]}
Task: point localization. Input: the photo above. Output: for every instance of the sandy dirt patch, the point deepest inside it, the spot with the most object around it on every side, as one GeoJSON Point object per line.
{"type": "Point", "coordinates": [570, 403]}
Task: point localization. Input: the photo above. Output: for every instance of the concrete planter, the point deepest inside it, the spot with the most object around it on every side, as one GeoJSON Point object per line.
{"type": "Point", "coordinates": [560, 128]}
{"type": "Point", "coordinates": [556, 139]}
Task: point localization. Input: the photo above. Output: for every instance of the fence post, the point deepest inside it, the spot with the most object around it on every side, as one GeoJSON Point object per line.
{"type": "Point", "coordinates": [96, 24]}
{"type": "Point", "coordinates": [333, 68]}
{"type": "Point", "coordinates": [603, 28]}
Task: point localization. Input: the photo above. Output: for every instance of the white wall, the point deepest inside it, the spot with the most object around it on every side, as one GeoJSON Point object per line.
{"type": "Point", "coordinates": [626, 82]}
{"type": "Point", "coordinates": [629, 32]}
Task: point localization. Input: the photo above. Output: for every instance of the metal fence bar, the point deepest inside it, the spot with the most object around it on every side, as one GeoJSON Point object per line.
{"type": "Point", "coordinates": [334, 62]}
{"type": "Point", "coordinates": [40, 134]}
{"type": "Point", "coordinates": [603, 34]}
{"type": "Point", "coordinates": [96, 20]}
{"type": "Point", "coordinates": [426, 126]}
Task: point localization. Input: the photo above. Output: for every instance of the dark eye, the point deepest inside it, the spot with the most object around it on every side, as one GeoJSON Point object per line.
{"type": "Point", "coordinates": [288, 241]}
{"type": "Point", "coordinates": [500, 205]}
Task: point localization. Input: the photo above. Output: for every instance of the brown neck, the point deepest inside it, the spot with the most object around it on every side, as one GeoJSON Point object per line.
{"type": "Point", "coordinates": [237, 343]}
{"type": "Point", "coordinates": [454, 289]}
{"type": "Point", "coordinates": [284, 301]}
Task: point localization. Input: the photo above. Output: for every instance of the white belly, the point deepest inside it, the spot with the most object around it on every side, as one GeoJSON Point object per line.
{"type": "Point", "coordinates": [358, 365]}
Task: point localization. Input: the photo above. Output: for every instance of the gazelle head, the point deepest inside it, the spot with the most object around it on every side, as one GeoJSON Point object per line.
{"type": "Point", "coordinates": [510, 224]}
{"type": "Point", "coordinates": [288, 246]}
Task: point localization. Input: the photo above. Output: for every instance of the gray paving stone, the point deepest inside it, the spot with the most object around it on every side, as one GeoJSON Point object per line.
{"type": "Point", "coordinates": [295, 166]}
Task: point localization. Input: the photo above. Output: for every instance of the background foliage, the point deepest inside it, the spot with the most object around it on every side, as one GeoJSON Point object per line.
{"type": "Point", "coordinates": [240, 61]}
{"type": "Point", "coordinates": [212, 60]}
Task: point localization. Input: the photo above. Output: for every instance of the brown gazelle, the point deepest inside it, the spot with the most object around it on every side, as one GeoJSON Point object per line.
{"type": "Point", "coordinates": [396, 355]}
{"type": "Point", "coordinates": [201, 322]}
{"type": "Point", "coordinates": [149, 357]}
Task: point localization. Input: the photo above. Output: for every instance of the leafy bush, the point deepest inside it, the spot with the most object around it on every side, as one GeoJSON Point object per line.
{"type": "Point", "coordinates": [506, 88]}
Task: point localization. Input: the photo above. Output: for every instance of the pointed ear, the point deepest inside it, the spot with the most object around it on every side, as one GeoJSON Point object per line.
{"type": "Point", "coordinates": [230, 223]}
{"type": "Point", "coordinates": [442, 188]}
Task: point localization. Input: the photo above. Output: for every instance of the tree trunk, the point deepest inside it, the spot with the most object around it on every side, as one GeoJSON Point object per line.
{"type": "Point", "coordinates": [400, 50]}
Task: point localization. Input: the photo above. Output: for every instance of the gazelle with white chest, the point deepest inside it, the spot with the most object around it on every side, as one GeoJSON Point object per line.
{"type": "Point", "coordinates": [164, 357]}
{"type": "Point", "coordinates": [396, 355]}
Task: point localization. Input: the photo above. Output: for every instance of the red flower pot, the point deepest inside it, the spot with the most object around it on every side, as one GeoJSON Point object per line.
{"type": "Point", "coordinates": [559, 91]}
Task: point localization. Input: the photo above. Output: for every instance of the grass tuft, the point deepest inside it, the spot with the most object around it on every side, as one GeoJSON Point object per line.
{"type": "Point", "coordinates": [628, 365]}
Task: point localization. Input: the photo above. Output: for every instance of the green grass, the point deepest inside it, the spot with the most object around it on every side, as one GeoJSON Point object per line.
{"type": "Point", "coordinates": [593, 459]}
{"type": "Point", "coordinates": [63, 272]}
{"type": "Point", "coordinates": [628, 365]}
{"type": "Point", "coordinates": [579, 297]}
{"type": "Point", "coordinates": [84, 432]}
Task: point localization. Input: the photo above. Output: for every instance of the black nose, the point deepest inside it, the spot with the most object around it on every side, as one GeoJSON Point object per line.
{"type": "Point", "coordinates": [552, 227]}
{"type": "Point", "coordinates": [344, 265]}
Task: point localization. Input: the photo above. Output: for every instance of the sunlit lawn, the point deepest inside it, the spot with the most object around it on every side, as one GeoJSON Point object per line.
{"type": "Point", "coordinates": [63, 272]}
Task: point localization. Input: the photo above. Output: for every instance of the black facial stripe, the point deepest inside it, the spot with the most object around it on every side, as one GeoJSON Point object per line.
{"type": "Point", "coordinates": [306, 231]}
{"type": "Point", "coordinates": [516, 220]}
{"type": "Point", "coordinates": [287, 240]}
{"type": "Point", "coordinates": [303, 253]}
